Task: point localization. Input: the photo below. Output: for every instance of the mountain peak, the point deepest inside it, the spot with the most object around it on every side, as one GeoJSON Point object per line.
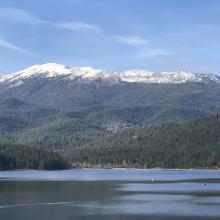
{"type": "Point", "coordinates": [55, 70]}
{"type": "Point", "coordinates": [49, 69]}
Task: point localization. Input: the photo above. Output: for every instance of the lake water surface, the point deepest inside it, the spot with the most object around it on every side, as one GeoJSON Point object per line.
{"type": "Point", "coordinates": [110, 194]}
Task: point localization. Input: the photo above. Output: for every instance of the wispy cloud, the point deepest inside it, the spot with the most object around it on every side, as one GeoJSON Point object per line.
{"type": "Point", "coordinates": [131, 40]}
{"type": "Point", "coordinates": [77, 26]}
{"type": "Point", "coordinates": [22, 16]}
{"type": "Point", "coordinates": [6, 44]}
{"type": "Point", "coordinates": [152, 52]}
{"type": "Point", "coordinates": [142, 47]}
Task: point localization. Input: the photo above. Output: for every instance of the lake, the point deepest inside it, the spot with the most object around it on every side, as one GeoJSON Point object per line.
{"type": "Point", "coordinates": [110, 194]}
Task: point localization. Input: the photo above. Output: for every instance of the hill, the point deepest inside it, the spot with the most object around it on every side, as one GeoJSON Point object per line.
{"type": "Point", "coordinates": [60, 133]}
{"type": "Point", "coordinates": [189, 145]}
{"type": "Point", "coordinates": [26, 157]}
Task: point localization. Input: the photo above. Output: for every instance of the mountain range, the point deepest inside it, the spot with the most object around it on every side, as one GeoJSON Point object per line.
{"type": "Point", "coordinates": [40, 103]}
{"type": "Point", "coordinates": [109, 100]}
{"type": "Point", "coordinates": [63, 88]}
{"type": "Point", "coordinates": [88, 74]}
{"type": "Point", "coordinates": [87, 114]}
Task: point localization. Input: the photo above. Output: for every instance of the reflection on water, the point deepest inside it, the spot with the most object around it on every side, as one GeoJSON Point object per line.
{"type": "Point", "coordinates": [110, 194]}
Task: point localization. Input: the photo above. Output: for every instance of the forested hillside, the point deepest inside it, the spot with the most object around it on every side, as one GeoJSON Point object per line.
{"type": "Point", "coordinates": [194, 144]}
{"type": "Point", "coordinates": [60, 132]}
{"type": "Point", "coordinates": [191, 145]}
{"type": "Point", "coordinates": [26, 157]}
{"type": "Point", "coordinates": [26, 123]}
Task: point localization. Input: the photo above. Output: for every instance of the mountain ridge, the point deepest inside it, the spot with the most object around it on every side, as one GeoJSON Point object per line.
{"type": "Point", "coordinates": [89, 74]}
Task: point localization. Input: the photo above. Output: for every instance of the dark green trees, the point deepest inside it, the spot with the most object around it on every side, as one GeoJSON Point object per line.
{"type": "Point", "coordinates": [26, 157]}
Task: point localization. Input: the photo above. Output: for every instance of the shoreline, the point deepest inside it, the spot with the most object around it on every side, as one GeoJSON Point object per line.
{"type": "Point", "coordinates": [118, 168]}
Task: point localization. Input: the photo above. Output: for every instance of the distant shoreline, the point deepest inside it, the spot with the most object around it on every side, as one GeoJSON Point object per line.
{"type": "Point", "coordinates": [120, 168]}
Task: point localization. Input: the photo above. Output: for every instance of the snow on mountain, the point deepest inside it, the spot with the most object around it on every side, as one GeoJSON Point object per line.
{"type": "Point", "coordinates": [211, 77]}
{"type": "Point", "coordinates": [2, 78]}
{"type": "Point", "coordinates": [87, 74]}
{"type": "Point", "coordinates": [180, 77]}
{"type": "Point", "coordinates": [144, 76]}
{"type": "Point", "coordinates": [49, 70]}
{"type": "Point", "coordinates": [53, 70]}
{"type": "Point", "coordinates": [135, 75]}
{"type": "Point", "coordinates": [90, 72]}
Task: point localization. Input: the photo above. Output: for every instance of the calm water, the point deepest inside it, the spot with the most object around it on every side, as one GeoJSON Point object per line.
{"type": "Point", "coordinates": [110, 194]}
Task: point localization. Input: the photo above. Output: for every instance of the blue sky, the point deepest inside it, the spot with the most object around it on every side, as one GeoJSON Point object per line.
{"type": "Point", "coordinates": [158, 35]}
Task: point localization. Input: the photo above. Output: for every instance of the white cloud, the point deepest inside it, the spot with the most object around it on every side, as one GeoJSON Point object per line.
{"type": "Point", "coordinates": [6, 44]}
{"type": "Point", "coordinates": [131, 40]}
{"type": "Point", "coordinates": [152, 52]}
{"type": "Point", "coordinates": [77, 26]}
{"type": "Point", "coordinates": [22, 16]}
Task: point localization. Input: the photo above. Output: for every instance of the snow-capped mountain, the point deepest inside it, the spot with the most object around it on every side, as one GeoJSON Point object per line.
{"type": "Point", "coordinates": [52, 70]}
{"type": "Point", "coordinates": [88, 74]}
{"type": "Point", "coordinates": [58, 71]}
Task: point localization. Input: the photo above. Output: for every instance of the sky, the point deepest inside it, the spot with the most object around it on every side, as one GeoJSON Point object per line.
{"type": "Point", "coordinates": [156, 35]}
